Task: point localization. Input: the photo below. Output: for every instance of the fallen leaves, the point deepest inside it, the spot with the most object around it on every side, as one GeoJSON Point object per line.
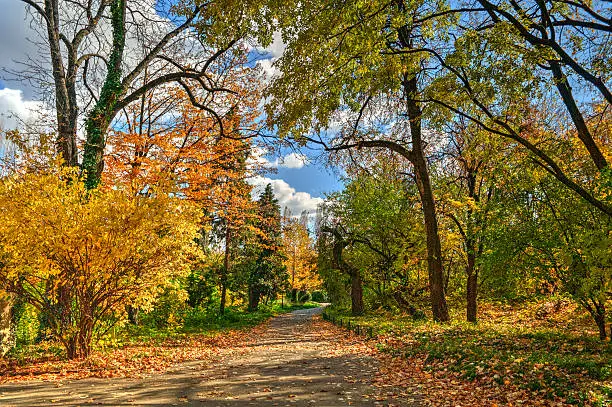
{"type": "Point", "coordinates": [131, 360]}
{"type": "Point", "coordinates": [499, 362]}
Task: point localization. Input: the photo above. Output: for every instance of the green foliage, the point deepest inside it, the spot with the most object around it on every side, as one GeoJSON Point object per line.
{"type": "Point", "coordinates": [379, 213]}
{"type": "Point", "coordinates": [201, 287]}
{"type": "Point", "coordinates": [26, 324]}
{"type": "Point", "coordinates": [265, 268]}
{"type": "Point", "coordinates": [168, 309]}
{"type": "Point", "coordinates": [319, 296]}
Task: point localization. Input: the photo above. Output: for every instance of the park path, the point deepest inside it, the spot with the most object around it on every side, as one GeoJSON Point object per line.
{"type": "Point", "coordinates": [294, 361]}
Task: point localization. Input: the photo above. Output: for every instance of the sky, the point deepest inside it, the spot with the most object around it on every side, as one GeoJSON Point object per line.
{"type": "Point", "coordinates": [299, 179]}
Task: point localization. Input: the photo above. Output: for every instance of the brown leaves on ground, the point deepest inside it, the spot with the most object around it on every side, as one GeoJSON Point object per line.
{"type": "Point", "coordinates": [410, 373]}
{"type": "Point", "coordinates": [131, 360]}
{"type": "Point", "coordinates": [445, 388]}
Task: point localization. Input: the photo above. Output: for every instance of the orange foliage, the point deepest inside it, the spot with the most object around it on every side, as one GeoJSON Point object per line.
{"type": "Point", "coordinates": [167, 142]}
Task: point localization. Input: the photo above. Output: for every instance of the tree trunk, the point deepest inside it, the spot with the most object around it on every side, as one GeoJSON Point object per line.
{"type": "Point", "coordinates": [356, 293]}
{"type": "Point", "coordinates": [6, 337]}
{"type": "Point", "coordinates": [223, 298]}
{"type": "Point", "coordinates": [133, 315]}
{"type": "Point", "coordinates": [600, 320]}
{"type": "Point", "coordinates": [78, 346]}
{"type": "Point", "coordinates": [597, 309]}
{"type": "Point", "coordinates": [254, 297]}
{"type": "Point", "coordinates": [65, 89]}
{"type": "Point", "coordinates": [472, 289]}
{"type": "Point", "coordinates": [101, 115]}
{"type": "Point", "coordinates": [434, 248]}
{"type": "Point", "coordinates": [225, 271]}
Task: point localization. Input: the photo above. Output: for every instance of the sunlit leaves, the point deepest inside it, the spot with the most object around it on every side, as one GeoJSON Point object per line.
{"type": "Point", "coordinates": [81, 256]}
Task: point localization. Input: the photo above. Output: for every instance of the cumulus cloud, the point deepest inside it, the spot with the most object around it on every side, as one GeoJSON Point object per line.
{"type": "Point", "coordinates": [287, 196]}
{"type": "Point", "coordinates": [272, 52]}
{"type": "Point", "coordinates": [19, 40]}
{"type": "Point", "coordinates": [291, 160]}
{"type": "Point", "coordinates": [16, 112]}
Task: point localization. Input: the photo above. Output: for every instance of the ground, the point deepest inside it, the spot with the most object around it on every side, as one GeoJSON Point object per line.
{"type": "Point", "coordinates": [295, 360]}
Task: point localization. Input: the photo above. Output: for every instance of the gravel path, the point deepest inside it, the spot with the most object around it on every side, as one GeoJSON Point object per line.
{"type": "Point", "coordinates": [294, 362]}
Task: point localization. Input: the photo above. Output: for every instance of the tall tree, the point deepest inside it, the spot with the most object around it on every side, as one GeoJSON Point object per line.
{"type": "Point", "coordinates": [92, 65]}
{"type": "Point", "coordinates": [300, 254]}
{"type": "Point", "coordinates": [467, 181]}
{"type": "Point", "coordinates": [356, 65]}
{"type": "Point", "coordinates": [268, 272]}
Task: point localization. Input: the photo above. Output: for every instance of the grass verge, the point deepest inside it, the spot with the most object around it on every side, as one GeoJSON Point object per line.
{"type": "Point", "coordinates": [558, 363]}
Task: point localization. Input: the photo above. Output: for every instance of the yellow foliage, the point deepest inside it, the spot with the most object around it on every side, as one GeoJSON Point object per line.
{"type": "Point", "coordinates": [82, 256]}
{"type": "Point", "coordinates": [300, 257]}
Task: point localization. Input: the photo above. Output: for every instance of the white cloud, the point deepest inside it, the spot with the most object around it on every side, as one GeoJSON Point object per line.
{"type": "Point", "coordinates": [293, 160]}
{"type": "Point", "coordinates": [17, 113]}
{"type": "Point", "coordinates": [19, 40]}
{"type": "Point", "coordinates": [287, 196]}
{"type": "Point", "coordinates": [273, 52]}
{"type": "Point", "coordinates": [277, 47]}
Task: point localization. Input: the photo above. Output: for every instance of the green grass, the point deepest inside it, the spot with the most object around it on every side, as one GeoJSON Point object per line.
{"type": "Point", "coordinates": [557, 363]}
{"type": "Point", "coordinates": [206, 322]}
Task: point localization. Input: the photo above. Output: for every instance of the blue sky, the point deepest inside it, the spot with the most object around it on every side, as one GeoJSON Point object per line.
{"type": "Point", "coordinates": [313, 178]}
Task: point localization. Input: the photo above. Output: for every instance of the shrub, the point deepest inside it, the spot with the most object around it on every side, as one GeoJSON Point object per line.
{"type": "Point", "coordinates": [81, 256]}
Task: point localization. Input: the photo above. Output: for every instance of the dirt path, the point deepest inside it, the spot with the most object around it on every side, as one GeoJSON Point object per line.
{"type": "Point", "coordinates": [293, 362]}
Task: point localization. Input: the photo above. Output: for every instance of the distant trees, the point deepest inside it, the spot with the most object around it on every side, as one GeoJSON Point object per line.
{"type": "Point", "coordinates": [371, 233]}
{"type": "Point", "coordinates": [300, 254]}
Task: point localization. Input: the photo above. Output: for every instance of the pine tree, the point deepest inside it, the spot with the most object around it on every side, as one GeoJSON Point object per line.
{"type": "Point", "coordinates": [269, 275]}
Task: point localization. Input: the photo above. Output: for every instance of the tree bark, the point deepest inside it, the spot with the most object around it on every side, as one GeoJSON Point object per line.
{"type": "Point", "coordinates": [356, 293]}
{"type": "Point", "coordinates": [472, 288]}
{"type": "Point", "coordinates": [65, 88]}
{"type": "Point", "coordinates": [133, 315]}
{"type": "Point", "coordinates": [100, 117]}
{"type": "Point", "coordinates": [225, 271]}
{"type": "Point", "coordinates": [600, 319]}
{"type": "Point", "coordinates": [434, 248]}
{"type": "Point", "coordinates": [254, 297]}
{"type": "Point", "coordinates": [6, 325]}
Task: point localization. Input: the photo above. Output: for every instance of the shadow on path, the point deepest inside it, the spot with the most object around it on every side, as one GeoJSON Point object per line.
{"type": "Point", "coordinates": [291, 363]}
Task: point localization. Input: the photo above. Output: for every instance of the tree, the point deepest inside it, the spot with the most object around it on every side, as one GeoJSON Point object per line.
{"type": "Point", "coordinates": [568, 39]}
{"type": "Point", "coordinates": [267, 272]}
{"type": "Point", "coordinates": [300, 254]}
{"type": "Point", "coordinates": [375, 220]}
{"type": "Point", "coordinates": [81, 256]}
{"type": "Point", "coordinates": [171, 142]}
{"type": "Point", "coordinates": [345, 65]}
{"type": "Point", "coordinates": [91, 65]}
{"type": "Point", "coordinates": [467, 182]}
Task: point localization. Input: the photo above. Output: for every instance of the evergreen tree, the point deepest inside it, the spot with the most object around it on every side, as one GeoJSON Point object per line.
{"type": "Point", "coordinates": [268, 275]}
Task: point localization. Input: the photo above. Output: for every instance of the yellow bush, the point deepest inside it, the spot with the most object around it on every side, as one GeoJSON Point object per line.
{"type": "Point", "coordinates": [81, 256]}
